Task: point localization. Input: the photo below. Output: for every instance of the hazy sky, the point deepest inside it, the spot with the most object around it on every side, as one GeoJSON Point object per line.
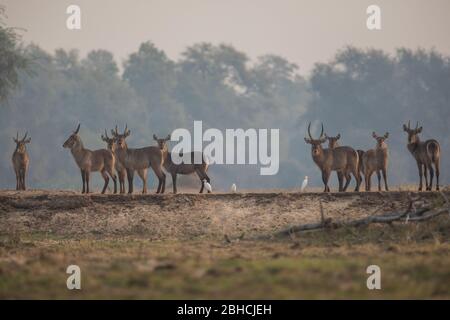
{"type": "Point", "coordinates": [304, 31]}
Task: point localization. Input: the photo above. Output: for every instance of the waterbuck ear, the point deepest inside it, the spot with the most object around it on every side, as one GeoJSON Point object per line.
{"type": "Point", "coordinates": [155, 137]}
{"type": "Point", "coordinates": [386, 135]}
{"type": "Point", "coordinates": [27, 141]}
{"type": "Point", "coordinates": [15, 140]}
{"type": "Point", "coordinates": [127, 133]}
{"type": "Point", "coordinates": [405, 128]}
{"type": "Point", "coordinates": [307, 140]}
{"type": "Point", "coordinates": [338, 136]}
{"type": "Point", "coordinates": [168, 137]}
{"type": "Point", "coordinates": [419, 130]}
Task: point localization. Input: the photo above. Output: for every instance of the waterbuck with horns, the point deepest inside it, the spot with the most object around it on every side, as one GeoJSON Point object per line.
{"type": "Point", "coordinates": [139, 160]}
{"type": "Point", "coordinates": [376, 160]}
{"type": "Point", "coordinates": [90, 161]}
{"type": "Point", "coordinates": [426, 153]}
{"type": "Point", "coordinates": [343, 160]}
{"type": "Point", "coordinates": [182, 168]}
{"type": "Point", "coordinates": [21, 160]}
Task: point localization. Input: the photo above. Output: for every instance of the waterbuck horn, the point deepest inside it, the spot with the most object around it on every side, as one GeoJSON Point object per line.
{"type": "Point", "coordinates": [78, 128]}
{"type": "Point", "coordinates": [321, 133]}
{"type": "Point", "coordinates": [309, 131]}
{"type": "Point", "coordinates": [25, 136]}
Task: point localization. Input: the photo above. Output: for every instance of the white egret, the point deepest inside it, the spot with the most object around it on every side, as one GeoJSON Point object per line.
{"type": "Point", "coordinates": [207, 185]}
{"type": "Point", "coordinates": [304, 184]}
{"type": "Point", "coordinates": [233, 188]}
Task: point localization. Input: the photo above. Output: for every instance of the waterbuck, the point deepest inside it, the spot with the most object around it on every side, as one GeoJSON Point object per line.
{"type": "Point", "coordinates": [182, 168]}
{"type": "Point", "coordinates": [90, 161]}
{"type": "Point", "coordinates": [21, 160]}
{"type": "Point", "coordinates": [139, 160]}
{"type": "Point", "coordinates": [343, 160]}
{"type": "Point", "coordinates": [121, 172]}
{"type": "Point", "coordinates": [376, 160]}
{"type": "Point", "coordinates": [426, 154]}
{"type": "Point", "coordinates": [333, 142]}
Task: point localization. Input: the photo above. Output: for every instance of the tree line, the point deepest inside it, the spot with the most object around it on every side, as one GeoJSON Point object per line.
{"type": "Point", "coordinates": [357, 92]}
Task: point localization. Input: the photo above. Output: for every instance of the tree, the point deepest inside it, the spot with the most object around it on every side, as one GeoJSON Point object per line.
{"type": "Point", "coordinates": [12, 58]}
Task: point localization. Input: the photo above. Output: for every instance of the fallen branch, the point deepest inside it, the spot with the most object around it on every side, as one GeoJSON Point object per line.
{"type": "Point", "coordinates": [411, 214]}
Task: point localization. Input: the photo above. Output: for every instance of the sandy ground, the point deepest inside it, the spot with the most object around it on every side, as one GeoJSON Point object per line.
{"type": "Point", "coordinates": [183, 216]}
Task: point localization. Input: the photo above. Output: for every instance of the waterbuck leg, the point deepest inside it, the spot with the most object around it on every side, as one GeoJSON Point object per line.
{"type": "Point", "coordinates": [130, 175]}
{"type": "Point", "coordinates": [385, 179]}
{"type": "Point", "coordinates": [83, 178]}
{"type": "Point", "coordinates": [143, 174]}
{"type": "Point", "coordinates": [17, 180]}
{"type": "Point", "coordinates": [425, 174]}
{"type": "Point", "coordinates": [430, 168]}
{"type": "Point", "coordinates": [325, 178]}
{"type": "Point", "coordinates": [340, 176]}
{"type": "Point", "coordinates": [122, 181]}
{"type": "Point", "coordinates": [174, 182]}
{"type": "Point", "coordinates": [106, 178]}
{"type": "Point", "coordinates": [357, 176]}
{"type": "Point", "coordinates": [23, 180]}
{"type": "Point", "coordinates": [436, 166]}
{"type": "Point", "coordinates": [87, 174]}
{"type": "Point", "coordinates": [419, 166]}
{"type": "Point", "coordinates": [114, 178]}
{"type": "Point", "coordinates": [348, 178]}
{"type": "Point", "coordinates": [379, 179]}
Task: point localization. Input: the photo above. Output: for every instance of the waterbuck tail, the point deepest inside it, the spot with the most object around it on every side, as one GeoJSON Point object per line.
{"type": "Point", "coordinates": [360, 162]}
{"type": "Point", "coordinates": [433, 150]}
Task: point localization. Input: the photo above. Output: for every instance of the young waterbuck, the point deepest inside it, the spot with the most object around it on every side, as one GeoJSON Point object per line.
{"type": "Point", "coordinates": [90, 161]}
{"type": "Point", "coordinates": [343, 160]}
{"type": "Point", "coordinates": [21, 160]}
{"type": "Point", "coordinates": [376, 160]}
{"type": "Point", "coordinates": [182, 168]}
{"type": "Point", "coordinates": [139, 160]}
{"type": "Point", "coordinates": [120, 169]}
{"type": "Point", "coordinates": [333, 142]}
{"type": "Point", "coordinates": [426, 153]}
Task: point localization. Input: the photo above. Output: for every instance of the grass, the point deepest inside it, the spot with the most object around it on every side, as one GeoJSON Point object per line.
{"type": "Point", "coordinates": [414, 261]}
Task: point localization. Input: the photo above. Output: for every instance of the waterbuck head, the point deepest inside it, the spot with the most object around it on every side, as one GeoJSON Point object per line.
{"type": "Point", "coordinates": [333, 141]}
{"type": "Point", "coordinates": [120, 138]}
{"type": "Point", "coordinates": [412, 133]}
{"type": "Point", "coordinates": [21, 144]}
{"type": "Point", "coordinates": [110, 142]}
{"type": "Point", "coordinates": [316, 144]}
{"type": "Point", "coordinates": [380, 140]}
{"type": "Point", "coordinates": [162, 142]}
{"type": "Point", "coordinates": [74, 139]}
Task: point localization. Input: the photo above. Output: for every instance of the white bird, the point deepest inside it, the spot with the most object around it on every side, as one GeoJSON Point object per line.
{"type": "Point", "coordinates": [207, 185]}
{"type": "Point", "coordinates": [233, 188]}
{"type": "Point", "coordinates": [304, 184]}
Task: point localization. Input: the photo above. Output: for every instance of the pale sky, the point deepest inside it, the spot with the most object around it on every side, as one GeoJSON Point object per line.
{"type": "Point", "coordinates": [303, 31]}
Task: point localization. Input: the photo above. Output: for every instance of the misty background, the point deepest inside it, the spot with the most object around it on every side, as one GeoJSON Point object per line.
{"type": "Point", "coordinates": [356, 91]}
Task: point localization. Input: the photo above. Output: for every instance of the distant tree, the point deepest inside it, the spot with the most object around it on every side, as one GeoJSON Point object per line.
{"type": "Point", "coordinates": [12, 58]}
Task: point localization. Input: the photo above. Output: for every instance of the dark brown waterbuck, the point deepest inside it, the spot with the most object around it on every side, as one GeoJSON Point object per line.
{"type": "Point", "coordinates": [139, 160]}
{"type": "Point", "coordinates": [343, 160]}
{"type": "Point", "coordinates": [376, 160]}
{"type": "Point", "coordinates": [88, 161]}
{"type": "Point", "coordinates": [21, 160]}
{"type": "Point", "coordinates": [426, 153]}
{"type": "Point", "coordinates": [182, 168]}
